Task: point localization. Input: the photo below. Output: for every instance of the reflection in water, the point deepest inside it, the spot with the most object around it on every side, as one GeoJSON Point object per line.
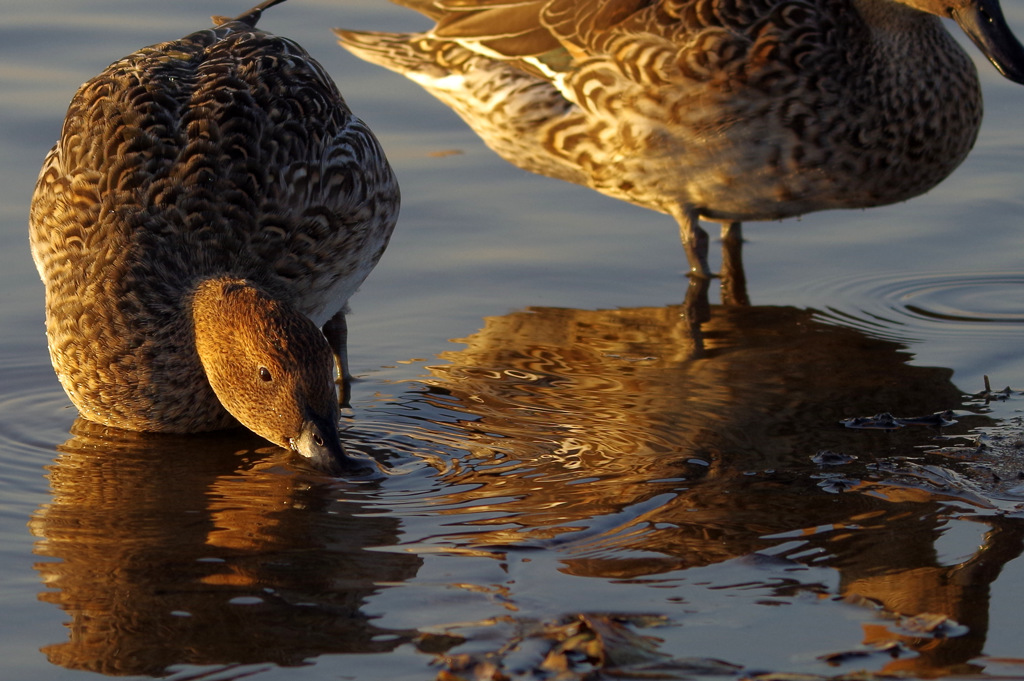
{"type": "Point", "coordinates": [895, 564]}
{"type": "Point", "coordinates": [168, 553]}
{"type": "Point", "coordinates": [600, 435]}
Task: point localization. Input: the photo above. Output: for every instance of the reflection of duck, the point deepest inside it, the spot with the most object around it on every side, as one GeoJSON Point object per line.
{"type": "Point", "coordinates": [165, 553]}
{"type": "Point", "coordinates": [909, 577]}
{"type": "Point", "coordinates": [728, 111]}
{"type": "Point", "coordinates": [211, 203]}
{"type": "Point", "coordinates": [598, 435]}
{"type": "Point", "coordinates": [627, 388]}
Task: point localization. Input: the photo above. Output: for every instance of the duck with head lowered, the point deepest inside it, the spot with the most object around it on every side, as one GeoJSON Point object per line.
{"type": "Point", "coordinates": [727, 110]}
{"type": "Point", "coordinates": [209, 209]}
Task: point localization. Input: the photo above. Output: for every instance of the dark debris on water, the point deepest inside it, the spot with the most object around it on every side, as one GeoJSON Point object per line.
{"type": "Point", "coordinates": [886, 421]}
{"type": "Point", "coordinates": [826, 457]}
{"type": "Point", "coordinates": [598, 647]}
{"type": "Point", "coordinates": [586, 647]}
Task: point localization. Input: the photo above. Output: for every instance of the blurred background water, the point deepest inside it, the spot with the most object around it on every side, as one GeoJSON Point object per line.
{"type": "Point", "coordinates": [554, 447]}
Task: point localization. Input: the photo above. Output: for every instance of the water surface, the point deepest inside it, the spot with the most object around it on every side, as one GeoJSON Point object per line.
{"type": "Point", "coordinates": [557, 451]}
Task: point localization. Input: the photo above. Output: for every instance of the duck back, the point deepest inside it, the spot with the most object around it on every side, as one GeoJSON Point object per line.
{"type": "Point", "coordinates": [228, 152]}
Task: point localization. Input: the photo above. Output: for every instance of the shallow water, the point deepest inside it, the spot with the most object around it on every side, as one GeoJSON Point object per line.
{"type": "Point", "coordinates": [555, 447]}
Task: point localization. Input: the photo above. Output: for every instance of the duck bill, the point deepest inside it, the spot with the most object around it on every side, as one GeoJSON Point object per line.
{"type": "Point", "coordinates": [983, 22]}
{"type": "Point", "coordinates": [318, 442]}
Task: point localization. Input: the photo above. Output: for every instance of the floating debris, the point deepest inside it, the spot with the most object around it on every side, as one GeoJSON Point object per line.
{"type": "Point", "coordinates": [932, 625]}
{"type": "Point", "coordinates": [587, 646]}
{"type": "Point", "coordinates": [989, 395]}
{"type": "Point", "coordinates": [883, 421]}
{"type": "Point", "coordinates": [886, 421]}
{"type": "Point", "coordinates": [990, 466]}
{"type": "Point", "coordinates": [827, 457]}
{"type": "Point", "coordinates": [837, 484]}
{"type": "Point", "coordinates": [467, 667]}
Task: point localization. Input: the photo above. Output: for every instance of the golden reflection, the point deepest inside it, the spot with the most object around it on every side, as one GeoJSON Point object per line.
{"type": "Point", "coordinates": [623, 396]}
{"type": "Point", "coordinates": [602, 435]}
{"type": "Point", "coordinates": [170, 550]}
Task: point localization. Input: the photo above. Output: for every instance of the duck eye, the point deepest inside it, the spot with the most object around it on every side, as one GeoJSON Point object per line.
{"type": "Point", "coordinates": [318, 440]}
{"type": "Point", "coordinates": [265, 374]}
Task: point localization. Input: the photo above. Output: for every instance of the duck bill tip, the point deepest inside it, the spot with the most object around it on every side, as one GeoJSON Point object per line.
{"type": "Point", "coordinates": [320, 445]}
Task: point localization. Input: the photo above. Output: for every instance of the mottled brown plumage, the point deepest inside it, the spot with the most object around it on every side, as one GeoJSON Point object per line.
{"type": "Point", "coordinates": [730, 110]}
{"type": "Point", "coordinates": [223, 168]}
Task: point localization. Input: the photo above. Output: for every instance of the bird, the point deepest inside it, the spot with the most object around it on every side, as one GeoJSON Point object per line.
{"type": "Point", "coordinates": [722, 110]}
{"type": "Point", "coordinates": [209, 208]}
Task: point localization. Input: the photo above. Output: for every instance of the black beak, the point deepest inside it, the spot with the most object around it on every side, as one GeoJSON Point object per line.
{"type": "Point", "coordinates": [984, 24]}
{"type": "Point", "coordinates": [318, 442]}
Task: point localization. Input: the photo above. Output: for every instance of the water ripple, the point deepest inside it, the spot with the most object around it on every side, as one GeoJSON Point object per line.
{"type": "Point", "coordinates": [34, 413]}
{"type": "Point", "coordinates": [922, 305]}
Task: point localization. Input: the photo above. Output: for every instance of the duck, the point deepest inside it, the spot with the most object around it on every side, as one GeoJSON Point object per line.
{"type": "Point", "coordinates": [748, 110]}
{"type": "Point", "coordinates": [209, 209]}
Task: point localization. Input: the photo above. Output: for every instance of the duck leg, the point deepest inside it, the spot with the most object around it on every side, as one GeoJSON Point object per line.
{"type": "Point", "coordinates": [696, 308]}
{"type": "Point", "coordinates": [734, 281]}
{"type": "Point", "coordinates": [336, 332]}
{"type": "Point", "coordinates": [695, 240]}
{"type": "Point", "coordinates": [695, 312]}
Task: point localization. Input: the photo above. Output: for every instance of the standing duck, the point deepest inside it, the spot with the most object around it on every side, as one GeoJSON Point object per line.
{"type": "Point", "coordinates": [211, 205]}
{"type": "Point", "coordinates": [725, 110]}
